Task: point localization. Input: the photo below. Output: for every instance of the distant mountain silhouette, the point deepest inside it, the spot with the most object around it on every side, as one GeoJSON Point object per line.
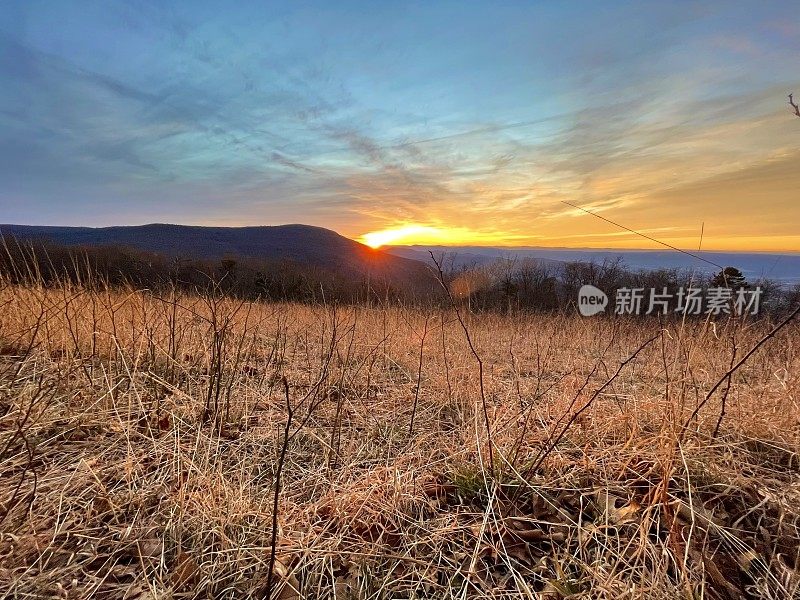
{"type": "Point", "coordinates": [780, 267]}
{"type": "Point", "coordinates": [465, 257]}
{"type": "Point", "coordinates": [302, 244]}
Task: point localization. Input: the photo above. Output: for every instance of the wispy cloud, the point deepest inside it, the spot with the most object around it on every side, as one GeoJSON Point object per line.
{"type": "Point", "coordinates": [359, 120]}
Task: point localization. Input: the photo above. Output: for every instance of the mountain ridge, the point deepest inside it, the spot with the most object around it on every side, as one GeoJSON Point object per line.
{"type": "Point", "coordinates": [308, 245]}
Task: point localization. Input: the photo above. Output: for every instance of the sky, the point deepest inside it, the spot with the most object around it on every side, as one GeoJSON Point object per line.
{"type": "Point", "coordinates": [408, 122]}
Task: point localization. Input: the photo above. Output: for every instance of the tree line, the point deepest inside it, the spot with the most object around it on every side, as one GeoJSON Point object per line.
{"type": "Point", "coordinates": [506, 285]}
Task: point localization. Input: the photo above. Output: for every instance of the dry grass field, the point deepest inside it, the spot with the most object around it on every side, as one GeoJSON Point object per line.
{"type": "Point", "coordinates": [143, 438]}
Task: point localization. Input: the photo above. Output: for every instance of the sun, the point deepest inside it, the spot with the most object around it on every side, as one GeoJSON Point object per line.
{"type": "Point", "coordinates": [376, 239]}
{"type": "Point", "coordinates": [431, 235]}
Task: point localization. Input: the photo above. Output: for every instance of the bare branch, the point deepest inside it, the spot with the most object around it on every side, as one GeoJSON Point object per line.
{"type": "Point", "coordinates": [735, 367]}
{"type": "Point", "coordinates": [545, 452]}
{"type": "Point", "coordinates": [794, 106]}
{"type": "Point", "coordinates": [477, 356]}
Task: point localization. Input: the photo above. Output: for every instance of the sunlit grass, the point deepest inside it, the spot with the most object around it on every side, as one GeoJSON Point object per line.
{"type": "Point", "coordinates": [119, 482]}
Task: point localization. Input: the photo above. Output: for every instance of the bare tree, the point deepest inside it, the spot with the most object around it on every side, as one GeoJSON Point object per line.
{"type": "Point", "coordinates": [794, 106]}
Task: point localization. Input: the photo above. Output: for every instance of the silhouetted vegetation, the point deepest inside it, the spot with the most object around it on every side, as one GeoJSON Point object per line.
{"type": "Point", "coordinates": [541, 286]}
{"type": "Point", "coordinates": [504, 286]}
{"type": "Point", "coordinates": [729, 277]}
{"type": "Point", "coordinates": [50, 264]}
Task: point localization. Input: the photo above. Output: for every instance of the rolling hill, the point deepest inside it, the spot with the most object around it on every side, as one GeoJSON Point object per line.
{"type": "Point", "coordinates": [305, 245]}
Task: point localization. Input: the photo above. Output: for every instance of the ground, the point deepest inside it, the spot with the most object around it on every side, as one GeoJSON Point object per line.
{"type": "Point", "coordinates": [418, 453]}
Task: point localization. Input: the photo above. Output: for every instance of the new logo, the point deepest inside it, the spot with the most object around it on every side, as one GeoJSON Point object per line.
{"type": "Point", "coordinates": [591, 300]}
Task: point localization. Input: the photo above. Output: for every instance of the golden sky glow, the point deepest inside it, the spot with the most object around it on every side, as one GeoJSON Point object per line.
{"type": "Point", "coordinates": [738, 182]}
{"type": "Point", "coordinates": [409, 234]}
{"type": "Point", "coordinates": [402, 234]}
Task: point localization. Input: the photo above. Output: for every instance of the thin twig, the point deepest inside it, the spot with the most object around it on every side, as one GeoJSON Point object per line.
{"type": "Point", "coordinates": [549, 448]}
{"type": "Point", "coordinates": [794, 106]}
{"type": "Point", "coordinates": [277, 492]}
{"type": "Point", "coordinates": [419, 375]}
{"type": "Point", "coordinates": [724, 399]}
{"type": "Point", "coordinates": [477, 358]}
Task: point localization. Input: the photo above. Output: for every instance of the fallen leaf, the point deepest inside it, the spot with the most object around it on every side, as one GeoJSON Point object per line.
{"type": "Point", "coordinates": [616, 509]}
{"type": "Point", "coordinates": [186, 571]}
{"type": "Point", "coordinates": [164, 422]}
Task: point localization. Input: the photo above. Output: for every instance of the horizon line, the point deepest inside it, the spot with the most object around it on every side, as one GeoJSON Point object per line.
{"type": "Point", "coordinates": [442, 245]}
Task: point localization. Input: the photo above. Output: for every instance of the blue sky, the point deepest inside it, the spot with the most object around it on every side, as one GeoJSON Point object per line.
{"type": "Point", "coordinates": [473, 119]}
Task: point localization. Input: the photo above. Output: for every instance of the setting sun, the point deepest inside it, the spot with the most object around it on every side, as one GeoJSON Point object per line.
{"type": "Point", "coordinates": [427, 234]}
{"type": "Point", "coordinates": [376, 239]}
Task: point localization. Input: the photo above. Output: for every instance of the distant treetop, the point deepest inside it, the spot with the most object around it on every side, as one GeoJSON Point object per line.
{"type": "Point", "coordinates": [729, 277]}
